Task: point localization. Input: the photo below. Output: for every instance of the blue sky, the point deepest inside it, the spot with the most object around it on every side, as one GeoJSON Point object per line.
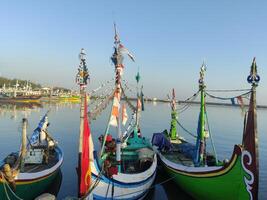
{"type": "Point", "coordinates": [40, 41]}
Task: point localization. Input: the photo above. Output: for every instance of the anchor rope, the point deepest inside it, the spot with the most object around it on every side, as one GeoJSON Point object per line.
{"type": "Point", "coordinates": [6, 184]}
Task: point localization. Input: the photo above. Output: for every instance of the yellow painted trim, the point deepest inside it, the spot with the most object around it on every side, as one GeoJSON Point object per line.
{"type": "Point", "coordinates": [30, 182]}
{"type": "Point", "coordinates": [207, 175]}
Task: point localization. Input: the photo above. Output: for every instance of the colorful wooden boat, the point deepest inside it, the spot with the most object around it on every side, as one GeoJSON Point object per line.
{"type": "Point", "coordinates": [31, 172]}
{"type": "Point", "coordinates": [125, 168]}
{"type": "Point", "coordinates": [198, 172]}
{"type": "Point", "coordinates": [20, 99]}
{"type": "Point", "coordinates": [70, 98]}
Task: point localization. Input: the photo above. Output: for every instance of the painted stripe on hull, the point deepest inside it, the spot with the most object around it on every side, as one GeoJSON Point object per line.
{"type": "Point", "coordinates": [125, 186]}
{"type": "Point", "coordinates": [228, 183]}
{"type": "Point", "coordinates": [139, 197]}
{"type": "Point", "coordinates": [201, 171]}
{"type": "Point", "coordinates": [104, 190]}
{"type": "Point", "coordinates": [29, 178]}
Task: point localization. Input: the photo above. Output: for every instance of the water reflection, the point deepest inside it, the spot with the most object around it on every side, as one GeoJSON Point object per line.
{"type": "Point", "coordinates": [12, 109]}
{"type": "Point", "coordinates": [226, 126]}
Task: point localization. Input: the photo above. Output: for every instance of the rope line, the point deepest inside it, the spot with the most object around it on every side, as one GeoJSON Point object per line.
{"type": "Point", "coordinates": [227, 98]}
{"type": "Point", "coordinates": [236, 90]}
{"type": "Point", "coordinates": [5, 183]}
{"type": "Point", "coordinates": [187, 105]}
{"type": "Point", "coordinates": [186, 129]}
{"type": "Point", "coordinates": [97, 110]}
{"type": "Point", "coordinates": [101, 86]}
{"type": "Point", "coordinates": [132, 107]}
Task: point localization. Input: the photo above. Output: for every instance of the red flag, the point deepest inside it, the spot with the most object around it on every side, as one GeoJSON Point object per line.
{"type": "Point", "coordinates": [85, 179]}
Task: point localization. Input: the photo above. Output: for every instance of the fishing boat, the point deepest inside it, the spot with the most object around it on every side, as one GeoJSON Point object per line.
{"type": "Point", "coordinates": [31, 171]}
{"type": "Point", "coordinates": [20, 96]}
{"type": "Point", "coordinates": [198, 172]}
{"type": "Point", "coordinates": [70, 98]}
{"type": "Point", "coordinates": [4, 98]}
{"type": "Point", "coordinates": [125, 167]}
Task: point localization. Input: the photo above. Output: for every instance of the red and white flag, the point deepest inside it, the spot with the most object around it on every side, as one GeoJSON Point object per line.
{"type": "Point", "coordinates": [85, 168]}
{"type": "Point", "coordinates": [124, 114]}
{"type": "Point", "coordinates": [124, 50]}
{"type": "Point", "coordinates": [115, 109]}
{"type": "Point", "coordinates": [139, 104]}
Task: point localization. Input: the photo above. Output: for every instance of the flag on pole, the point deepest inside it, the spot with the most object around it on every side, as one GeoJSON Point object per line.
{"type": "Point", "coordinates": [124, 114]}
{"type": "Point", "coordinates": [124, 50]}
{"type": "Point", "coordinates": [115, 109]}
{"type": "Point", "coordinates": [139, 104]}
{"type": "Point", "coordinates": [85, 179]}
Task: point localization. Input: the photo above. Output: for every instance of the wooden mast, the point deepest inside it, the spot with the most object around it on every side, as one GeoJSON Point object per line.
{"type": "Point", "coordinates": [249, 158]}
{"type": "Point", "coordinates": [199, 161]}
{"type": "Point", "coordinates": [81, 80]}
{"type": "Point", "coordinates": [173, 130]}
{"type": "Point", "coordinates": [118, 69]}
{"type": "Point", "coordinates": [24, 143]}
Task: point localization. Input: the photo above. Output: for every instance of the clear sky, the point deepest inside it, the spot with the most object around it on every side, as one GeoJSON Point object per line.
{"type": "Point", "coordinates": [40, 41]}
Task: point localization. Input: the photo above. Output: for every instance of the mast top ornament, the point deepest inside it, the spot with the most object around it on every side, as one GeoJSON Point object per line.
{"type": "Point", "coordinates": [201, 75]}
{"type": "Point", "coordinates": [82, 76]}
{"type": "Point", "coordinates": [253, 78]}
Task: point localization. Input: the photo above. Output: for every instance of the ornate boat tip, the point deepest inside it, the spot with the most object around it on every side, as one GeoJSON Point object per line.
{"type": "Point", "coordinates": [201, 75]}
{"type": "Point", "coordinates": [82, 55]}
{"type": "Point", "coordinates": [82, 76]}
{"type": "Point", "coordinates": [253, 78]}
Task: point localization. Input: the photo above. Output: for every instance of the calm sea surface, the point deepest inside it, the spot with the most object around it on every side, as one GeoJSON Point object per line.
{"type": "Point", "coordinates": [226, 124]}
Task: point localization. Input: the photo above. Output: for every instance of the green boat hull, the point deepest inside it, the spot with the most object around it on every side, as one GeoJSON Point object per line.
{"type": "Point", "coordinates": [226, 183]}
{"type": "Point", "coordinates": [28, 190]}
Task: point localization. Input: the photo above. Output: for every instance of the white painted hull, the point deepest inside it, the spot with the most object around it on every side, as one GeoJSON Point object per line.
{"type": "Point", "coordinates": [123, 186]}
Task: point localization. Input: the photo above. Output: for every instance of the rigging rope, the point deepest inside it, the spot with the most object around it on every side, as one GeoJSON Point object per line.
{"type": "Point", "coordinates": [186, 129]}
{"type": "Point", "coordinates": [236, 90]}
{"type": "Point", "coordinates": [211, 138]}
{"type": "Point", "coordinates": [227, 98]}
{"type": "Point", "coordinates": [187, 105]}
{"type": "Point", "coordinates": [130, 126]}
{"type": "Point", "coordinates": [101, 86]}
{"type": "Point", "coordinates": [100, 107]}
{"type": "Point", "coordinates": [132, 107]}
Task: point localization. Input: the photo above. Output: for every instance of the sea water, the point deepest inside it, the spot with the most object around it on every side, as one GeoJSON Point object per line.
{"type": "Point", "coordinates": [226, 128]}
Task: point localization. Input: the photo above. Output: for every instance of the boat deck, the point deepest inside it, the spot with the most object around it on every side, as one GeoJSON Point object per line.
{"type": "Point", "coordinates": [183, 153]}
{"type": "Point", "coordinates": [134, 161]}
{"type": "Point", "coordinates": [33, 168]}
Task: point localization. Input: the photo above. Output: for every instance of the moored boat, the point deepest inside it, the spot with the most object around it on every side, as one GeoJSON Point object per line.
{"type": "Point", "coordinates": [31, 171]}
{"type": "Point", "coordinates": [125, 168]}
{"type": "Point", "coordinates": [20, 99]}
{"type": "Point", "coordinates": [200, 173]}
